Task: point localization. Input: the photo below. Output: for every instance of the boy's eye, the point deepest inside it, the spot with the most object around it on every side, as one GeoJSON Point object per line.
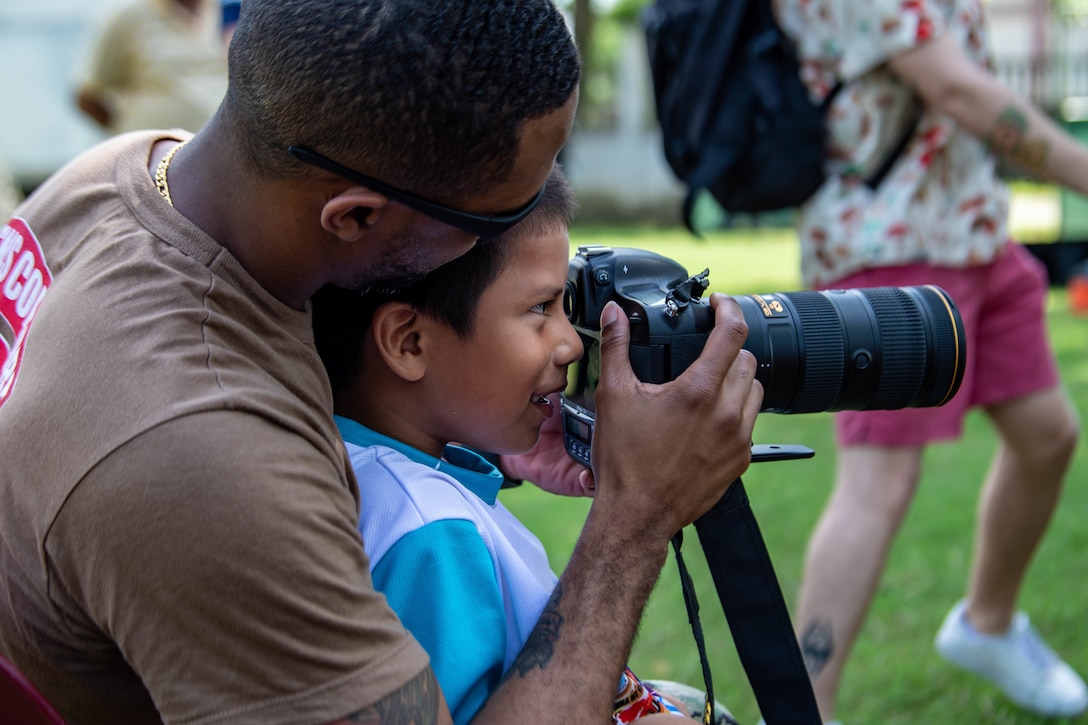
{"type": "Point", "coordinates": [543, 307]}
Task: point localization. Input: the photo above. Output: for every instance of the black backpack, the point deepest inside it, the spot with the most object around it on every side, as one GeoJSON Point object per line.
{"type": "Point", "coordinates": [736, 119]}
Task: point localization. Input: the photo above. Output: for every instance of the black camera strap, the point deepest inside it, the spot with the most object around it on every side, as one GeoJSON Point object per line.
{"type": "Point", "coordinates": [691, 603]}
{"type": "Point", "coordinates": [754, 609]}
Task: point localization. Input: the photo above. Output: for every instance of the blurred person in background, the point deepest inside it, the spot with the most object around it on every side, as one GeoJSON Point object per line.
{"type": "Point", "coordinates": [939, 217]}
{"type": "Point", "coordinates": [156, 64]}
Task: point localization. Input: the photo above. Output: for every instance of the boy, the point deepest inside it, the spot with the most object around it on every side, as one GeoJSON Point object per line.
{"type": "Point", "coordinates": [474, 353]}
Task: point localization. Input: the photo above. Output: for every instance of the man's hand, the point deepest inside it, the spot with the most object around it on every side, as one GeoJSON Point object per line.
{"type": "Point", "coordinates": [665, 454]}
{"type": "Point", "coordinates": [662, 456]}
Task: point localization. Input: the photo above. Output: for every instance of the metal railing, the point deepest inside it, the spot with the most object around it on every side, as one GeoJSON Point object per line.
{"type": "Point", "coordinates": [1050, 82]}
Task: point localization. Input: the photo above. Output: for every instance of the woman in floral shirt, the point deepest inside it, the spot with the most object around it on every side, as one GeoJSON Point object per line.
{"type": "Point", "coordinates": [939, 217]}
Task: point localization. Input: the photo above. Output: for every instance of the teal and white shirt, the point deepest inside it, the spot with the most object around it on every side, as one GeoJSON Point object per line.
{"type": "Point", "coordinates": [467, 579]}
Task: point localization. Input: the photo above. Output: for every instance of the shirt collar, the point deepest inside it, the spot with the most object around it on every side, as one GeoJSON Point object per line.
{"type": "Point", "coordinates": [469, 468]}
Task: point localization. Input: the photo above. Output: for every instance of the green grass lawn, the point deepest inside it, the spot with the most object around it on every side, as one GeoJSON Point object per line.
{"type": "Point", "coordinates": [894, 675]}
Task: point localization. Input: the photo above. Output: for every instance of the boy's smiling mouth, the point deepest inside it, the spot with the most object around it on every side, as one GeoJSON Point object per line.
{"type": "Point", "coordinates": [543, 403]}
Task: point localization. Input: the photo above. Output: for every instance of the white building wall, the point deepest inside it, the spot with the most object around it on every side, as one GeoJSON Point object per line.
{"type": "Point", "coordinates": [623, 172]}
{"type": "Point", "coordinates": [44, 43]}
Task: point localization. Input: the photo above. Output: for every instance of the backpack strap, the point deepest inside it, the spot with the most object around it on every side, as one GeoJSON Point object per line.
{"type": "Point", "coordinates": [877, 177]}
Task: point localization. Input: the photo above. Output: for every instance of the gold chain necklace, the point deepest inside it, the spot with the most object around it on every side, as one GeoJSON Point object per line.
{"type": "Point", "coordinates": [160, 173]}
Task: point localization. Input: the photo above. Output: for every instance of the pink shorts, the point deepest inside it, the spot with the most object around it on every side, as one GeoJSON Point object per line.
{"type": "Point", "coordinates": [1008, 354]}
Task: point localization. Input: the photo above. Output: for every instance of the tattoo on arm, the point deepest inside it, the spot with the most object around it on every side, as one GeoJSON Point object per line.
{"type": "Point", "coordinates": [1008, 141]}
{"type": "Point", "coordinates": [414, 704]}
{"type": "Point", "coordinates": [817, 645]}
{"type": "Point", "coordinates": [540, 646]}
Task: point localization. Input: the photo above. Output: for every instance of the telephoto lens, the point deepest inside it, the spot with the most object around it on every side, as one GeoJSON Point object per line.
{"type": "Point", "coordinates": [855, 349]}
{"type": "Point", "coordinates": [876, 348]}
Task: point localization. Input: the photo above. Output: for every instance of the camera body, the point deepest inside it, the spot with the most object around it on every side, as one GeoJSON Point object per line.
{"type": "Point", "coordinates": [854, 349]}
{"type": "Point", "coordinates": [669, 325]}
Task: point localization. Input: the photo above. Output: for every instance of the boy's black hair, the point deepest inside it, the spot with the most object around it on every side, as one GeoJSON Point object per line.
{"type": "Point", "coordinates": [449, 294]}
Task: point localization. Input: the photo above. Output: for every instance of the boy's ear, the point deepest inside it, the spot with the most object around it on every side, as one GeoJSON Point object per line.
{"type": "Point", "coordinates": [352, 211]}
{"type": "Point", "coordinates": [396, 329]}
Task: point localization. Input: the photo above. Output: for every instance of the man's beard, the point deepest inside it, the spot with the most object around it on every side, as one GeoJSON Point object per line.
{"type": "Point", "coordinates": [400, 268]}
{"type": "Point", "coordinates": [393, 282]}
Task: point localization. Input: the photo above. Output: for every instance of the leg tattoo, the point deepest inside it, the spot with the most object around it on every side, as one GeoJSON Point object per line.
{"type": "Point", "coordinates": [817, 645]}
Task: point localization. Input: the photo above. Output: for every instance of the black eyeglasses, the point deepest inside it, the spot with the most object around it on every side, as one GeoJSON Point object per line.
{"type": "Point", "coordinates": [478, 224]}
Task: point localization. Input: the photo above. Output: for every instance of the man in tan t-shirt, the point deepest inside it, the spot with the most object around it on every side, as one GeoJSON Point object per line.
{"type": "Point", "coordinates": [178, 519]}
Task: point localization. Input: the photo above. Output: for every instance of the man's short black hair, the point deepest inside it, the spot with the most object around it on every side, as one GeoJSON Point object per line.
{"type": "Point", "coordinates": [426, 95]}
{"type": "Point", "coordinates": [450, 294]}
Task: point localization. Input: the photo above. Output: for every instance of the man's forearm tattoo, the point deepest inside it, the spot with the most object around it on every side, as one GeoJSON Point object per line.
{"type": "Point", "coordinates": [414, 704]}
{"type": "Point", "coordinates": [1008, 141]}
{"type": "Point", "coordinates": [817, 645]}
{"type": "Point", "coordinates": [540, 646]}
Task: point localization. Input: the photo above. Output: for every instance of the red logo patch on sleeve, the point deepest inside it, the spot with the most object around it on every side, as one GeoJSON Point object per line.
{"type": "Point", "coordinates": [24, 279]}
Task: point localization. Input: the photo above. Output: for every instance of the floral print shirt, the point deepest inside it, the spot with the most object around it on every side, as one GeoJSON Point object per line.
{"type": "Point", "coordinates": [942, 201]}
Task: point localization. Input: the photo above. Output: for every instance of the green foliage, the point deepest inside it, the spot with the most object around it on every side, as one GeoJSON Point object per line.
{"type": "Point", "coordinates": [894, 677]}
{"type": "Point", "coordinates": [597, 102]}
{"type": "Point", "coordinates": [627, 11]}
{"type": "Point", "coordinates": [740, 262]}
{"type": "Point", "coordinates": [1070, 11]}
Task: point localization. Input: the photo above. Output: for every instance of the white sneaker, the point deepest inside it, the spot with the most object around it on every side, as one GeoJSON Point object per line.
{"type": "Point", "coordinates": [1018, 662]}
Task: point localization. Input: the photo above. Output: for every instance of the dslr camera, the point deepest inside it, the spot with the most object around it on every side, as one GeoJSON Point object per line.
{"type": "Point", "coordinates": [849, 349]}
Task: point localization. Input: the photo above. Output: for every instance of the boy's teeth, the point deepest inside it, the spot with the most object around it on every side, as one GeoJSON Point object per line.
{"type": "Point", "coordinates": [543, 400]}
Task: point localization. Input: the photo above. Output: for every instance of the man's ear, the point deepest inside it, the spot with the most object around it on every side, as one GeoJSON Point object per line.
{"type": "Point", "coordinates": [349, 213]}
{"type": "Point", "coordinates": [397, 329]}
